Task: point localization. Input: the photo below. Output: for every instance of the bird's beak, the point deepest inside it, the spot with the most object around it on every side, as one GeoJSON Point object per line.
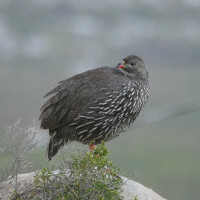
{"type": "Point", "coordinates": [121, 65]}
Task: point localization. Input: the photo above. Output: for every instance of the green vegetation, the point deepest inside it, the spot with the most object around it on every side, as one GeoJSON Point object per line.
{"type": "Point", "coordinates": [87, 175]}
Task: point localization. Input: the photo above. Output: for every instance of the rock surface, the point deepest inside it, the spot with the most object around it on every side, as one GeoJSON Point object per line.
{"type": "Point", "coordinates": [131, 189]}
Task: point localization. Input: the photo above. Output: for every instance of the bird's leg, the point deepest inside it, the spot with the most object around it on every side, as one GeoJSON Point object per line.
{"type": "Point", "coordinates": [92, 146]}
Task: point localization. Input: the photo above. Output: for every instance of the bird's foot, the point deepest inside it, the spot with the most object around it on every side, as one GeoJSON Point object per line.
{"type": "Point", "coordinates": [92, 146]}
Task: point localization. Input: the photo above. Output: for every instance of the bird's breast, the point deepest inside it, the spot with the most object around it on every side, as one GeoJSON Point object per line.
{"type": "Point", "coordinates": [107, 117]}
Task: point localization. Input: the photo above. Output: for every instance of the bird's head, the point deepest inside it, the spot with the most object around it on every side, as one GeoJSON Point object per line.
{"type": "Point", "coordinates": [133, 66]}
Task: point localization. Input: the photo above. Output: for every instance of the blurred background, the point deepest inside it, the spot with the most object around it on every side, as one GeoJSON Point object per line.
{"type": "Point", "coordinates": [45, 41]}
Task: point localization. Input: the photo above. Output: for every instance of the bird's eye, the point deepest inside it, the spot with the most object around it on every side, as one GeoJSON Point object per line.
{"type": "Point", "coordinates": [132, 63]}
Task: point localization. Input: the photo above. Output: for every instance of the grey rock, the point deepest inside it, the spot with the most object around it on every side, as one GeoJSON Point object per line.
{"type": "Point", "coordinates": [132, 189]}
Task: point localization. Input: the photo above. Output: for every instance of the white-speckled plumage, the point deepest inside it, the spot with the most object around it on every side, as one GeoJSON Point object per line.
{"type": "Point", "coordinates": [96, 105]}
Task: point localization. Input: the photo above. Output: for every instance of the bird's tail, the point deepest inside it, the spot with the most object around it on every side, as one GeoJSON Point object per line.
{"type": "Point", "coordinates": [57, 140]}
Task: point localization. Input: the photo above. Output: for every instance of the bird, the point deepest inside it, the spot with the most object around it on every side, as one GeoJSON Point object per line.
{"type": "Point", "coordinates": [96, 105]}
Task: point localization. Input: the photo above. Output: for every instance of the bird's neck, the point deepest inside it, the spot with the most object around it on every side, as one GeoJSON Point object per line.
{"type": "Point", "coordinates": [136, 75]}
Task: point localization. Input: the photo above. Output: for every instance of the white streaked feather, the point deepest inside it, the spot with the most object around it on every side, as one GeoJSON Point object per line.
{"type": "Point", "coordinates": [79, 133]}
